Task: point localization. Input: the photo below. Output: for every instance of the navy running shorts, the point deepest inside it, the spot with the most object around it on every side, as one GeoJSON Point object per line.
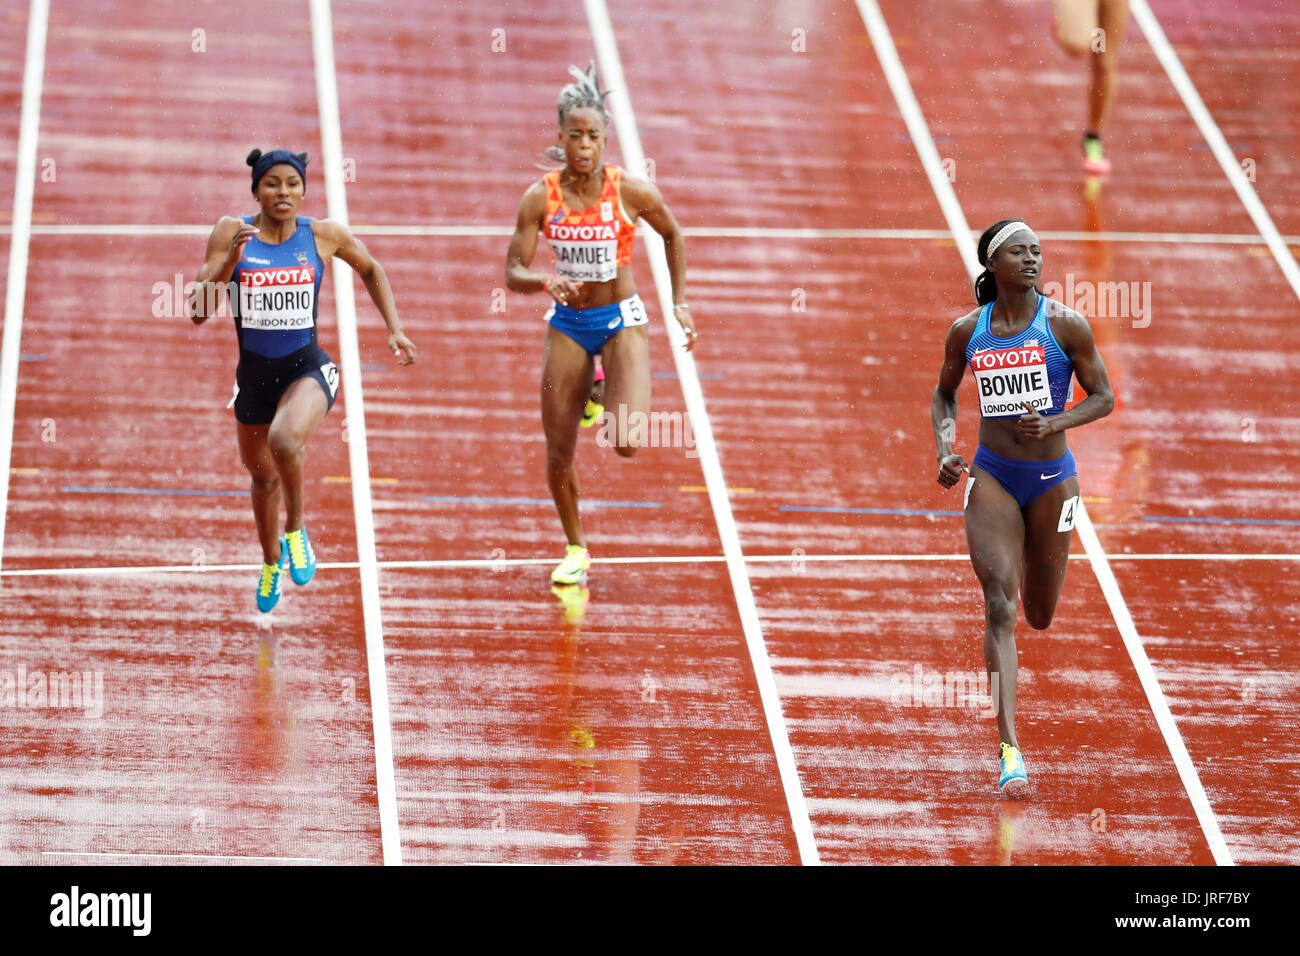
{"type": "Point", "coordinates": [261, 382]}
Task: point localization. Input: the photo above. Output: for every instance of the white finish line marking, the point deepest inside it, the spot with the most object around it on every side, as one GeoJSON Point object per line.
{"type": "Point", "coordinates": [471, 230]}
{"type": "Point", "coordinates": [495, 564]}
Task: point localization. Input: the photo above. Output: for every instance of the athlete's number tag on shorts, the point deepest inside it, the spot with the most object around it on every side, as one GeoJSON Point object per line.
{"type": "Point", "coordinates": [970, 483]}
{"type": "Point", "coordinates": [1068, 510]}
{"type": "Point", "coordinates": [331, 373]}
{"type": "Point", "coordinates": [633, 312]}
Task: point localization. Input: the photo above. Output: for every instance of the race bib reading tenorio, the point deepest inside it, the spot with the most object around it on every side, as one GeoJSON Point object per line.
{"type": "Point", "coordinates": [1007, 377]}
{"type": "Point", "coordinates": [277, 299]}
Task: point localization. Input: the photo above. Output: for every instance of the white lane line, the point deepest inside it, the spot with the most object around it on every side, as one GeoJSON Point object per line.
{"type": "Point", "coordinates": [1218, 145]}
{"type": "Point", "coordinates": [470, 230]}
{"type": "Point", "coordinates": [186, 856]}
{"type": "Point", "coordinates": [498, 564]}
{"type": "Point", "coordinates": [436, 230]}
{"type": "Point", "coordinates": [322, 33]}
{"type": "Point", "coordinates": [1064, 235]}
{"type": "Point", "coordinates": [16, 292]}
{"type": "Point", "coordinates": [611, 67]}
{"type": "Point", "coordinates": [896, 77]}
{"type": "Point", "coordinates": [1150, 684]}
{"type": "Point", "coordinates": [898, 82]}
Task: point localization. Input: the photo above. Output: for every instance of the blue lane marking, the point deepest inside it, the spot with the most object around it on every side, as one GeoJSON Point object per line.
{"type": "Point", "coordinates": [872, 511]}
{"type": "Point", "coordinates": [25, 357]}
{"type": "Point", "coordinates": [1224, 521]}
{"type": "Point", "coordinates": [539, 501]}
{"type": "Point", "coordinates": [709, 376]}
{"type": "Point", "coordinates": [155, 491]}
{"type": "Point", "coordinates": [373, 367]}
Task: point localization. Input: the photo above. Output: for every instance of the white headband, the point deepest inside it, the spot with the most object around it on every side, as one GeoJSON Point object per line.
{"type": "Point", "coordinates": [1009, 229]}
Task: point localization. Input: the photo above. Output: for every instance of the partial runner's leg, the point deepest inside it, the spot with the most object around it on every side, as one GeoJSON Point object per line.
{"type": "Point", "coordinates": [302, 408]}
{"type": "Point", "coordinates": [566, 381]}
{"type": "Point", "coordinates": [995, 536]}
{"type": "Point", "coordinates": [626, 358]}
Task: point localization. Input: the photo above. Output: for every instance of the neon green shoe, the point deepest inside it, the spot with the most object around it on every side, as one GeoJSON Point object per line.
{"type": "Point", "coordinates": [591, 414]}
{"type": "Point", "coordinates": [1094, 157]}
{"type": "Point", "coordinates": [573, 569]}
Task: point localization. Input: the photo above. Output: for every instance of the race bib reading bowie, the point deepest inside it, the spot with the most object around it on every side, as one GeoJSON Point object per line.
{"type": "Point", "coordinates": [277, 299]}
{"type": "Point", "coordinates": [1007, 377]}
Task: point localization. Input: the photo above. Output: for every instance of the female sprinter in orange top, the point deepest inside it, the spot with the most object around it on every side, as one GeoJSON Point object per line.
{"type": "Point", "coordinates": [272, 263]}
{"type": "Point", "coordinates": [588, 211]}
{"type": "Point", "coordinates": [1023, 489]}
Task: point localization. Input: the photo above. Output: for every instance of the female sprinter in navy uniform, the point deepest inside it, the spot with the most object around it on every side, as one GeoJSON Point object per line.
{"type": "Point", "coordinates": [272, 264]}
{"type": "Point", "coordinates": [1023, 491]}
{"type": "Point", "coordinates": [588, 211]}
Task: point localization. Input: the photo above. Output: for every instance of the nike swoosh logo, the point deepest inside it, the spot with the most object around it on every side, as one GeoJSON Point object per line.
{"type": "Point", "coordinates": [614, 323]}
{"type": "Point", "coordinates": [1044, 477]}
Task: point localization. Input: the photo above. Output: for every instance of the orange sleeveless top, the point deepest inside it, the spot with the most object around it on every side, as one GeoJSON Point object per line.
{"type": "Point", "coordinates": [589, 245]}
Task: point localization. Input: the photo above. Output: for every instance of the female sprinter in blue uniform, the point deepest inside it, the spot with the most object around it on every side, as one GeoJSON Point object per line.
{"type": "Point", "coordinates": [1023, 491]}
{"type": "Point", "coordinates": [271, 263]}
{"type": "Point", "coordinates": [587, 211]}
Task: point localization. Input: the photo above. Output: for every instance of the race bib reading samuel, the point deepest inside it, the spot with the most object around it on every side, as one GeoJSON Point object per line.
{"type": "Point", "coordinates": [277, 299]}
{"type": "Point", "coordinates": [586, 252]}
{"type": "Point", "coordinates": [1007, 377]}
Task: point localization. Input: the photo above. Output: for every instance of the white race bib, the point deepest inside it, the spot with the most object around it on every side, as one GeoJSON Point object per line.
{"type": "Point", "coordinates": [585, 253]}
{"type": "Point", "coordinates": [1007, 377]}
{"type": "Point", "coordinates": [277, 299]}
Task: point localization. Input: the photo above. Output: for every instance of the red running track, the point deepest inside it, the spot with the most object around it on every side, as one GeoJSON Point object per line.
{"type": "Point", "coordinates": [627, 726]}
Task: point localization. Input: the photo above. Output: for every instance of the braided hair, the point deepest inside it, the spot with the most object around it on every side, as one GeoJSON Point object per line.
{"type": "Point", "coordinates": [583, 93]}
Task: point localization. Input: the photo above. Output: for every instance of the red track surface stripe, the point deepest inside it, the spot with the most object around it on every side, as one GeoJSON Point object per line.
{"type": "Point", "coordinates": [1086, 533]}
{"type": "Point", "coordinates": [218, 736]}
{"type": "Point", "coordinates": [495, 705]}
{"type": "Point", "coordinates": [621, 107]}
{"type": "Point", "coordinates": [1218, 145]}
